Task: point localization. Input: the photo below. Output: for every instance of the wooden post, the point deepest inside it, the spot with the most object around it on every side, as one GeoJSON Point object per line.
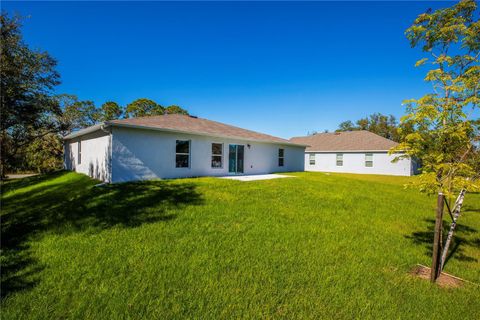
{"type": "Point", "coordinates": [435, 272]}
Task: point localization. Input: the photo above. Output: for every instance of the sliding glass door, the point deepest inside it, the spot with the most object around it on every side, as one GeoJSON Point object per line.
{"type": "Point", "coordinates": [235, 158]}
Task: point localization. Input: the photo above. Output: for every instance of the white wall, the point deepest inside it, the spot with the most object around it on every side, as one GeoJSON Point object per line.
{"type": "Point", "coordinates": [147, 154]}
{"type": "Point", "coordinates": [95, 155]}
{"type": "Point", "coordinates": [354, 162]}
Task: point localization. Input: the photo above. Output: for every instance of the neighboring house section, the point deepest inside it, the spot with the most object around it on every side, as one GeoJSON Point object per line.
{"type": "Point", "coordinates": [353, 152]}
{"type": "Point", "coordinates": [176, 146]}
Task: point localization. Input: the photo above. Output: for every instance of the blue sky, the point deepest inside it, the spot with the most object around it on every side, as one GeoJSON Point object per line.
{"type": "Point", "coordinates": [281, 68]}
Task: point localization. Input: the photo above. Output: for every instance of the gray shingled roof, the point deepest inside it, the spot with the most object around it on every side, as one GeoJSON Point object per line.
{"type": "Point", "coordinates": [188, 124]}
{"type": "Point", "coordinates": [345, 141]}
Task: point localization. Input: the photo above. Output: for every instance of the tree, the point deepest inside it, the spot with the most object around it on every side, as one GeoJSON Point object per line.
{"type": "Point", "coordinates": [442, 133]}
{"type": "Point", "coordinates": [385, 126]}
{"type": "Point", "coordinates": [346, 126]}
{"type": "Point", "coordinates": [173, 109]}
{"type": "Point", "coordinates": [474, 159]}
{"type": "Point", "coordinates": [27, 80]}
{"type": "Point", "coordinates": [362, 124]}
{"type": "Point", "coordinates": [143, 107]}
{"type": "Point", "coordinates": [110, 111]}
{"type": "Point", "coordinates": [45, 153]}
{"type": "Point", "coordinates": [76, 114]}
{"type": "Point", "coordinates": [66, 120]}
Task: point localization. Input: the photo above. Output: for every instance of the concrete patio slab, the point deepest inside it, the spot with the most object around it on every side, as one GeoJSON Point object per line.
{"type": "Point", "coordinates": [256, 177]}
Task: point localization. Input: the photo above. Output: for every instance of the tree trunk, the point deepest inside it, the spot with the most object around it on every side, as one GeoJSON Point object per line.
{"type": "Point", "coordinates": [435, 272]}
{"type": "Point", "coordinates": [456, 214]}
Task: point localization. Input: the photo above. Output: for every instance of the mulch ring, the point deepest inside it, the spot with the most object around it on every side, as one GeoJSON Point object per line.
{"type": "Point", "coordinates": [445, 280]}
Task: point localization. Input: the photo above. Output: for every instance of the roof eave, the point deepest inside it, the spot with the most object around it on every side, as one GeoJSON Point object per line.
{"type": "Point", "coordinates": [85, 131]}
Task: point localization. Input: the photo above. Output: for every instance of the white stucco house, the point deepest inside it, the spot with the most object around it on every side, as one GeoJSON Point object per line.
{"type": "Point", "coordinates": [175, 146]}
{"type": "Point", "coordinates": [353, 152]}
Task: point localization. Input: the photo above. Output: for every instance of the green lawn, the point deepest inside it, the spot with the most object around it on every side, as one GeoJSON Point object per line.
{"type": "Point", "coordinates": [314, 246]}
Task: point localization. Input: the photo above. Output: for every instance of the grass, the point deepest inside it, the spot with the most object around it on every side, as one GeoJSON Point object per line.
{"type": "Point", "coordinates": [314, 246]}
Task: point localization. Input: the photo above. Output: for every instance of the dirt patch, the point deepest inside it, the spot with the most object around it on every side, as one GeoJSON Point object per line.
{"type": "Point", "coordinates": [445, 280]}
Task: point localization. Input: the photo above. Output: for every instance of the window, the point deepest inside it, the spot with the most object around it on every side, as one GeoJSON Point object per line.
{"type": "Point", "coordinates": [182, 154]}
{"type": "Point", "coordinates": [79, 152]}
{"type": "Point", "coordinates": [217, 155]}
{"type": "Point", "coordinates": [368, 159]}
{"type": "Point", "coordinates": [311, 158]}
{"type": "Point", "coordinates": [281, 157]}
{"type": "Point", "coordinates": [339, 159]}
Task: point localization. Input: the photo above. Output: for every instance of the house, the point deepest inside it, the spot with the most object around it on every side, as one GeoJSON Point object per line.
{"type": "Point", "coordinates": [353, 152]}
{"type": "Point", "coordinates": [176, 146]}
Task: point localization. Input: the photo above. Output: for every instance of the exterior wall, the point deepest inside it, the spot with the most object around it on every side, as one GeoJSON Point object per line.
{"type": "Point", "coordinates": [95, 160]}
{"type": "Point", "coordinates": [354, 162]}
{"type": "Point", "coordinates": [147, 154]}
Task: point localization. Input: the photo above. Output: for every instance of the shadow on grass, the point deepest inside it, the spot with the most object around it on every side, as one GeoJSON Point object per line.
{"type": "Point", "coordinates": [74, 204]}
{"type": "Point", "coordinates": [471, 209]}
{"type": "Point", "coordinates": [13, 184]}
{"type": "Point", "coordinates": [461, 239]}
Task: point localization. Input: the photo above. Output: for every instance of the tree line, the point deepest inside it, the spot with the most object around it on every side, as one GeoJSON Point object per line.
{"type": "Point", "coordinates": [80, 114]}
{"type": "Point", "coordinates": [33, 117]}
{"type": "Point", "coordinates": [383, 125]}
{"type": "Point", "coordinates": [386, 126]}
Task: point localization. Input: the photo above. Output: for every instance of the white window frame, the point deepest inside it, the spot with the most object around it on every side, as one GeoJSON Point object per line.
{"type": "Point", "coordinates": [281, 157]}
{"type": "Point", "coordinates": [183, 154]}
{"type": "Point", "coordinates": [311, 159]}
{"type": "Point", "coordinates": [216, 155]}
{"type": "Point", "coordinates": [339, 158]}
{"type": "Point", "coordinates": [79, 152]}
{"type": "Point", "coordinates": [369, 158]}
